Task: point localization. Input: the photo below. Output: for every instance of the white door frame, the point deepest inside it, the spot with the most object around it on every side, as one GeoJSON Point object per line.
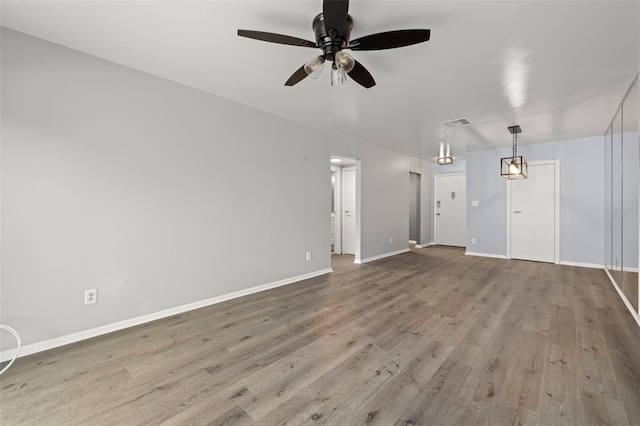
{"type": "Point", "coordinates": [435, 201]}
{"type": "Point", "coordinates": [358, 231]}
{"type": "Point", "coordinates": [419, 208]}
{"type": "Point", "coordinates": [342, 209]}
{"type": "Point", "coordinates": [337, 185]}
{"type": "Point", "coordinates": [358, 255]}
{"type": "Point", "coordinates": [556, 226]}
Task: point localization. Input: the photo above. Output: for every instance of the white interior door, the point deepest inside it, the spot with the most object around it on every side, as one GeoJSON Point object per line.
{"type": "Point", "coordinates": [532, 213]}
{"type": "Point", "coordinates": [349, 210]}
{"type": "Point", "coordinates": [451, 210]}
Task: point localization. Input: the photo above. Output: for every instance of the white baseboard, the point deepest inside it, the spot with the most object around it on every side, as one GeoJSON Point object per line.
{"type": "Point", "coordinates": [419, 246]}
{"type": "Point", "coordinates": [580, 264]}
{"type": "Point", "coordinates": [633, 313]}
{"type": "Point", "coordinates": [98, 331]}
{"type": "Point", "coordinates": [496, 256]}
{"type": "Point", "coordinates": [617, 268]}
{"type": "Point", "coordinates": [382, 256]}
{"type": "Point", "coordinates": [594, 266]}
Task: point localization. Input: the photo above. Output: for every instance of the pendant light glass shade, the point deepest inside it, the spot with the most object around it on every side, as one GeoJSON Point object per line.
{"type": "Point", "coordinates": [514, 167]}
{"type": "Point", "coordinates": [344, 61]}
{"type": "Point", "coordinates": [313, 68]}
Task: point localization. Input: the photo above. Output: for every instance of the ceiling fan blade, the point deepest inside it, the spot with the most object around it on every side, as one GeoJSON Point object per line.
{"type": "Point", "coordinates": [361, 76]}
{"type": "Point", "coordinates": [390, 40]}
{"type": "Point", "coordinates": [276, 38]}
{"type": "Point", "coordinates": [296, 77]}
{"type": "Point", "coordinates": [335, 16]}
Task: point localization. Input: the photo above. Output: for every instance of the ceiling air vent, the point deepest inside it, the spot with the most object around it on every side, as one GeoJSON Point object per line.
{"type": "Point", "coordinates": [457, 122]}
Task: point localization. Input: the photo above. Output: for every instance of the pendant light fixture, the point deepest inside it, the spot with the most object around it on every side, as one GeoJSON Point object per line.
{"type": "Point", "coordinates": [443, 161]}
{"type": "Point", "coordinates": [514, 167]}
{"type": "Point", "coordinates": [445, 158]}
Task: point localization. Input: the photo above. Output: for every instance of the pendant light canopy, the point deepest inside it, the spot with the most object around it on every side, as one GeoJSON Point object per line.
{"type": "Point", "coordinates": [514, 167]}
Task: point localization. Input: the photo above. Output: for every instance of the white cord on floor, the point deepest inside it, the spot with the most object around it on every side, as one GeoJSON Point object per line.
{"type": "Point", "coordinates": [15, 333]}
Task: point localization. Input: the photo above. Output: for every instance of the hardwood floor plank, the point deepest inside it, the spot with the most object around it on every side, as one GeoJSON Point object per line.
{"type": "Point", "coordinates": [463, 410]}
{"type": "Point", "coordinates": [336, 388]}
{"type": "Point", "coordinates": [206, 407]}
{"type": "Point", "coordinates": [520, 389]}
{"type": "Point", "coordinates": [235, 416]}
{"type": "Point", "coordinates": [431, 406]}
{"type": "Point", "coordinates": [597, 375]}
{"type": "Point", "coordinates": [624, 351]}
{"type": "Point", "coordinates": [410, 363]}
{"type": "Point", "coordinates": [599, 410]}
{"type": "Point", "coordinates": [559, 387]}
{"type": "Point", "coordinates": [295, 373]}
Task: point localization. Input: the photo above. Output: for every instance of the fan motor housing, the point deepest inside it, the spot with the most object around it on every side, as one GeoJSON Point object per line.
{"type": "Point", "coordinates": [330, 41]}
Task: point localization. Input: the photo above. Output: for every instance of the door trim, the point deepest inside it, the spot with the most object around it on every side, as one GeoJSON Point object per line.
{"type": "Point", "coordinates": [337, 185]}
{"type": "Point", "coordinates": [556, 225]}
{"type": "Point", "coordinates": [419, 208]}
{"type": "Point", "coordinates": [435, 201]}
{"type": "Point", "coordinates": [357, 165]}
{"type": "Point", "coordinates": [356, 250]}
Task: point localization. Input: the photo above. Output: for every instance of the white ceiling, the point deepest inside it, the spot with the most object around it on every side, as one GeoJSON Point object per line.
{"type": "Point", "coordinates": [558, 69]}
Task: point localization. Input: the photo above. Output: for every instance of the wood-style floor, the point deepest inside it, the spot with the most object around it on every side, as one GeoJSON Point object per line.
{"type": "Point", "coordinates": [429, 337]}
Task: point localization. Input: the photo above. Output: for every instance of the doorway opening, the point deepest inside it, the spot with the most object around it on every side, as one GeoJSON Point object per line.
{"type": "Point", "coordinates": [414, 210]}
{"type": "Point", "coordinates": [345, 208]}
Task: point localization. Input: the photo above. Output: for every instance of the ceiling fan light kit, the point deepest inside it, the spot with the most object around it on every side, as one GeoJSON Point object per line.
{"type": "Point", "coordinates": [514, 167]}
{"type": "Point", "coordinates": [332, 29]}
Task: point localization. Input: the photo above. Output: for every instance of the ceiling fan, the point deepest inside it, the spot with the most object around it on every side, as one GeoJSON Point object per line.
{"type": "Point", "coordinates": [332, 28]}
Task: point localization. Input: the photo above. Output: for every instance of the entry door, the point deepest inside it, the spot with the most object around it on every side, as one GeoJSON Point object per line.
{"type": "Point", "coordinates": [533, 215]}
{"type": "Point", "coordinates": [451, 210]}
{"type": "Point", "coordinates": [349, 211]}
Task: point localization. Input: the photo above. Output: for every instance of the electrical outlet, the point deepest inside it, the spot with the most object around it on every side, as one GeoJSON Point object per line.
{"type": "Point", "coordinates": [390, 240]}
{"type": "Point", "coordinates": [308, 256]}
{"type": "Point", "coordinates": [473, 241]}
{"type": "Point", "coordinates": [91, 296]}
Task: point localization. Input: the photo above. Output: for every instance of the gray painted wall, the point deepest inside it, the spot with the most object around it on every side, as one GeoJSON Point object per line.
{"type": "Point", "coordinates": [581, 198]}
{"type": "Point", "coordinates": [161, 195]}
